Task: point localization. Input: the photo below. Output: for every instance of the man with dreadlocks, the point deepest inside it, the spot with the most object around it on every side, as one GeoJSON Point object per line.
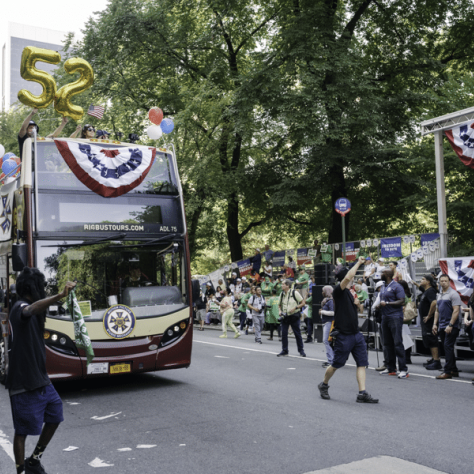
{"type": "Point", "coordinates": [34, 400]}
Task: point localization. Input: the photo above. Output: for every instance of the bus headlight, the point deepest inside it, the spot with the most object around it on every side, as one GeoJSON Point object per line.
{"type": "Point", "coordinates": [174, 332]}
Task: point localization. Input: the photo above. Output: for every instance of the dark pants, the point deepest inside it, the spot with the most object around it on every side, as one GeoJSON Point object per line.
{"type": "Point", "coordinates": [448, 341]}
{"type": "Point", "coordinates": [309, 327]}
{"type": "Point", "coordinates": [272, 327]}
{"type": "Point", "coordinates": [294, 322]}
{"type": "Point", "coordinates": [393, 343]}
{"type": "Point", "coordinates": [242, 318]}
{"type": "Point", "coordinates": [385, 358]}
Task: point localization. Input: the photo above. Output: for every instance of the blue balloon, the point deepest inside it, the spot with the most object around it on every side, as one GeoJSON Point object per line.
{"type": "Point", "coordinates": [167, 125]}
{"type": "Point", "coordinates": [8, 166]}
{"type": "Point", "coordinates": [7, 156]}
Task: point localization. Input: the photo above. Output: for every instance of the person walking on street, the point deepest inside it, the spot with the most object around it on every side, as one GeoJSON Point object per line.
{"type": "Point", "coordinates": [448, 306]}
{"type": "Point", "coordinates": [36, 407]}
{"type": "Point", "coordinates": [392, 300]}
{"type": "Point", "coordinates": [290, 305]}
{"type": "Point", "coordinates": [227, 310]}
{"type": "Point", "coordinates": [257, 304]}
{"type": "Point", "coordinates": [349, 339]}
{"type": "Point", "coordinates": [243, 308]}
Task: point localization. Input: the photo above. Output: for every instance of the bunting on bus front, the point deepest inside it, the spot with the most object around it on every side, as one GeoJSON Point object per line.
{"type": "Point", "coordinates": [108, 172]}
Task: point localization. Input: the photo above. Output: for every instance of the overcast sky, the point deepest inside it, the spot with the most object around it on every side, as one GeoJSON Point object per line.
{"type": "Point", "coordinates": [52, 14]}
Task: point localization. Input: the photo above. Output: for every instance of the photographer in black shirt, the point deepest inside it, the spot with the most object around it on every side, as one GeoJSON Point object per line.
{"type": "Point", "coordinates": [348, 338]}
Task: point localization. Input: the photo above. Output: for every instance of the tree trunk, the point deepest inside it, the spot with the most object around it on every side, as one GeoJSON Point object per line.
{"type": "Point", "coordinates": [233, 235]}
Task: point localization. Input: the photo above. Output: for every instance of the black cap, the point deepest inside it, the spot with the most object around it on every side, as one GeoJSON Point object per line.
{"type": "Point", "coordinates": [32, 122]}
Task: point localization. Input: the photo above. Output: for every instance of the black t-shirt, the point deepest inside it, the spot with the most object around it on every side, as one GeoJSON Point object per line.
{"type": "Point", "coordinates": [27, 354]}
{"type": "Point", "coordinates": [201, 302]}
{"type": "Point", "coordinates": [426, 299]}
{"type": "Point", "coordinates": [346, 319]}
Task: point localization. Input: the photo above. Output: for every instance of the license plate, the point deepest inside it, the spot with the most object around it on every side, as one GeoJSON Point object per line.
{"type": "Point", "coordinates": [120, 368]}
{"type": "Point", "coordinates": [98, 368]}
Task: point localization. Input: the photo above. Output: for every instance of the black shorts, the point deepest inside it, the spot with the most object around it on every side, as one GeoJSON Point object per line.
{"type": "Point", "coordinates": [430, 340]}
{"type": "Point", "coordinates": [350, 344]}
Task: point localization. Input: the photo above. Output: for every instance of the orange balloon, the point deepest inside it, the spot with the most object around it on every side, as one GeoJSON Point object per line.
{"type": "Point", "coordinates": [155, 114]}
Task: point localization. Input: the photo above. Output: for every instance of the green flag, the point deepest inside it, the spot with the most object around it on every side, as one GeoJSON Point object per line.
{"type": "Point", "coordinates": [82, 338]}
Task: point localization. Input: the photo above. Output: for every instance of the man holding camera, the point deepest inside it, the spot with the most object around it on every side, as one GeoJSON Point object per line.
{"type": "Point", "coordinates": [290, 305]}
{"type": "Point", "coordinates": [257, 305]}
{"type": "Point", "coordinates": [348, 338]}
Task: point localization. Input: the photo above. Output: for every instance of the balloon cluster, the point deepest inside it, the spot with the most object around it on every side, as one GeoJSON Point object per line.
{"type": "Point", "coordinates": [155, 114]}
{"type": "Point", "coordinates": [8, 163]}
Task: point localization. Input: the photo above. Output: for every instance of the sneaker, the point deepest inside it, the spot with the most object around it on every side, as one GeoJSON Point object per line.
{"type": "Point", "coordinates": [246, 332]}
{"type": "Point", "coordinates": [403, 374]}
{"type": "Point", "coordinates": [282, 353]}
{"type": "Point", "coordinates": [387, 372]}
{"type": "Point", "coordinates": [259, 342]}
{"type": "Point", "coordinates": [366, 398]}
{"type": "Point", "coordinates": [326, 364]}
{"type": "Point", "coordinates": [35, 468]}
{"type": "Point", "coordinates": [428, 362]}
{"type": "Point", "coordinates": [308, 340]}
{"type": "Point", "coordinates": [269, 338]}
{"type": "Point", "coordinates": [323, 390]}
{"type": "Point", "coordinates": [224, 336]}
{"type": "Point", "coordinates": [237, 334]}
{"type": "Point", "coordinates": [302, 354]}
{"type": "Point", "coordinates": [435, 365]}
{"type": "Point", "coordinates": [379, 369]}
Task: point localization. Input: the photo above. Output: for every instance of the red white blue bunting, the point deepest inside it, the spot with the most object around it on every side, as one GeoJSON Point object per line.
{"type": "Point", "coordinates": [462, 140]}
{"type": "Point", "coordinates": [108, 172]}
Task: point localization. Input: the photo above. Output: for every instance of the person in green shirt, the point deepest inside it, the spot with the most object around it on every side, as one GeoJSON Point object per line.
{"type": "Point", "coordinates": [267, 287]}
{"type": "Point", "coordinates": [244, 298]}
{"type": "Point", "coordinates": [273, 313]}
{"type": "Point", "coordinates": [302, 282]}
{"type": "Point", "coordinates": [277, 285]}
{"type": "Point", "coordinates": [309, 319]}
{"type": "Point", "coordinates": [361, 296]}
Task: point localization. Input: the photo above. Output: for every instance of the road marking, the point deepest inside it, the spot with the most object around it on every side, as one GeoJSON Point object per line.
{"type": "Point", "coordinates": [6, 445]}
{"type": "Point", "coordinates": [71, 448]}
{"type": "Point", "coordinates": [124, 449]}
{"type": "Point", "coordinates": [291, 368]}
{"type": "Point", "coordinates": [222, 357]}
{"type": "Point", "coordinates": [98, 418]}
{"type": "Point", "coordinates": [146, 446]}
{"type": "Point", "coordinates": [99, 463]}
{"type": "Point", "coordinates": [318, 360]}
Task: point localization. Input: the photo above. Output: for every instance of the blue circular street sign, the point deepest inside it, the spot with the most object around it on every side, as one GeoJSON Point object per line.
{"type": "Point", "coordinates": [342, 206]}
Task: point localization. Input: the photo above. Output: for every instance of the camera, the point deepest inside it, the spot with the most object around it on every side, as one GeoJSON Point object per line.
{"type": "Point", "coordinates": [282, 317]}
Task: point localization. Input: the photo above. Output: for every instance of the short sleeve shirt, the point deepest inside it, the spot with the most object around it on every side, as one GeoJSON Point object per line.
{"type": "Point", "coordinates": [288, 303]}
{"type": "Point", "coordinates": [346, 319]}
{"type": "Point", "coordinates": [303, 278]}
{"type": "Point", "coordinates": [446, 303]}
{"type": "Point", "coordinates": [392, 292]}
{"type": "Point", "coordinates": [426, 299]}
{"type": "Point", "coordinates": [368, 269]}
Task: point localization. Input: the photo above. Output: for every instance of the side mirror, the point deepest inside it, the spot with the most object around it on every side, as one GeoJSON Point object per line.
{"type": "Point", "coordinates": [196, 289]}
{"type": "Point", "coordinates": [19, 257]}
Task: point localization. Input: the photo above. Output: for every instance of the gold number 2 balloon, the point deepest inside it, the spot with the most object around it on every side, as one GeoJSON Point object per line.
{"type": "Point", "coordinates": [28, 71]}
{"type": "Point", "coordinates": [62, 101]}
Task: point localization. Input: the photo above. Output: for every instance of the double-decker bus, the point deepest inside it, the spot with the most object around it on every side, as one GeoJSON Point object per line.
{"type": "Point", "coordinates": [129, 255]}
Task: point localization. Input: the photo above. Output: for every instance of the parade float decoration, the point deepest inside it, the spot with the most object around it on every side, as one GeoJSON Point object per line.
{"type": "Point", "coordinates": [160, 125]}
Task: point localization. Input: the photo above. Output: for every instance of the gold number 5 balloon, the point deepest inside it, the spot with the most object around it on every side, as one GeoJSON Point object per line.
{"type": "Point", "coordinates": [62, 101]}
{"type": "Point", "coordinates": [29, 72]}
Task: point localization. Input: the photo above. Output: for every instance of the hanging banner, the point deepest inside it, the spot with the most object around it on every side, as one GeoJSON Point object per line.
{"type": "Point", "coordinates": [7, 193]}
{"type": "Point", "coordinates": [351, 251]}
{"type": "Point", "coordinates": [432, 246]}
{"type": "Point", "coordinates": [369, 242]}
{"type": "Point", "coordinates": [362, 243]}
{"type": "Point", "coordinates": [391, 247]}
{"type": "Point", "coordinates": [425, 250]}
{"type": "Point", "coordinates": [414, 257]}
{"type": "Point", "coordinates": [375, 242]}
{"type": "Point", "coordinates": [412, 239]}
{"type": "Point", "coordinates": [279, 258]}
{"type": "Point", "coordinates": [290, 252]}
{"type": "Point", "coordinates": [216, 276]}
{"type": "Point", "coordinates": [425, 238]}
{"type": "Point", "coordinates": [244, 267]}
{"type": "Point", "coordinates": [419, 253]}
{"type": "Point", "coordinates": [461, 139]}
{"type": "Point", "coordinates": [461, 272]}
{"type": "Point", "coordinates": [302, 257]}
{"type": "Point", "coordinates": [336, 246]}
{"type": "Point", "coordinates": [406, 239]}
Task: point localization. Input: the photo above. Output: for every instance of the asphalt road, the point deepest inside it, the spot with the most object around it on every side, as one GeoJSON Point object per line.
{"type": "Point", "coordinates": [240, 409]}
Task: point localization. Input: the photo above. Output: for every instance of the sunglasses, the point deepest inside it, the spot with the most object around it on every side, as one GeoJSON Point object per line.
{"type": "Point", "coordinates": [91, 129]}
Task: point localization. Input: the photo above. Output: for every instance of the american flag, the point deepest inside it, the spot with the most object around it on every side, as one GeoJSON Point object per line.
{"type": "Point", "coordinates": [96, 111]}
{"type": "Point", "coordinates": [461, 272]}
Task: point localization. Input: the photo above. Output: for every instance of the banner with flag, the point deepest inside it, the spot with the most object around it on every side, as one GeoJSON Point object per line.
{"type": "Point", "coordinates": [81, 335]}
{"type": "Point", "coordinates": [108, 172]}
{"type": "Point", "coordinates": [461, 272]}
{"type": "Point", "coordinates": [279, 258]}
{"type": "Point", "coordinates": [391, 247]}
{"type": "Point", "coordinates": [244, 267]}
{"type": "Point", "coordinates": [302, 257]}
{"type": "Point", "coordinates": [461, 139]}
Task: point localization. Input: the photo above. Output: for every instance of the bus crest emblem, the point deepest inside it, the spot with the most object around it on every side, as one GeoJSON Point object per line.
{"type": "Point", "coordinates": [119, 321]}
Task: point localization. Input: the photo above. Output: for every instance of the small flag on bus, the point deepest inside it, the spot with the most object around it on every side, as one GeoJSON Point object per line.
{"type": "Point", "coordinates": [81, 335]}
{"type": "Point", "coordinates": [96, 111]}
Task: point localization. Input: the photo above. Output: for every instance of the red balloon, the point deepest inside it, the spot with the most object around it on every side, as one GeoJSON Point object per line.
{"type": "Point", "coordinates": [16, 160]}
{"type": "Point", "coordinates": [155, 114]}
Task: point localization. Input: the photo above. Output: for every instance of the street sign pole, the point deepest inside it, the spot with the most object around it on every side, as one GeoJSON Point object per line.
{"type": "Point", "coordinates": [343, 206]}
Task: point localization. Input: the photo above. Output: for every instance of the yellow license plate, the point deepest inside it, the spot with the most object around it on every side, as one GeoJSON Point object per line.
{"type": "Point", "coordinates": [120, 368]}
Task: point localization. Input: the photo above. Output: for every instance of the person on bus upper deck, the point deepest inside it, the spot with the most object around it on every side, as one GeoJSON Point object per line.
{"type": "Point", "coordinates": [87, 131]}
{"type": "Point", "coordinates": [28, 126]}
{"type": "Point", "coordinates": [102, 134]}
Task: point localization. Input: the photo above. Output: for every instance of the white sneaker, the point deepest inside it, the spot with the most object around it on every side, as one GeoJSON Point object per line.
{"type": "Point", "coordinates": [403, 375]}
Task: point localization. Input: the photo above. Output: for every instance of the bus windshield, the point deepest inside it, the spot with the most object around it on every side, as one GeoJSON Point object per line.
{"type": "Point", "coordinates": [54, 173]}
{"type": "Point", "coordinates": [146, 277]}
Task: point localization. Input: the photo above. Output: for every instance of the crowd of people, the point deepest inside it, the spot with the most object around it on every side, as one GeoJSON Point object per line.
{"type": "Point", "coordinates": [271, 298]}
